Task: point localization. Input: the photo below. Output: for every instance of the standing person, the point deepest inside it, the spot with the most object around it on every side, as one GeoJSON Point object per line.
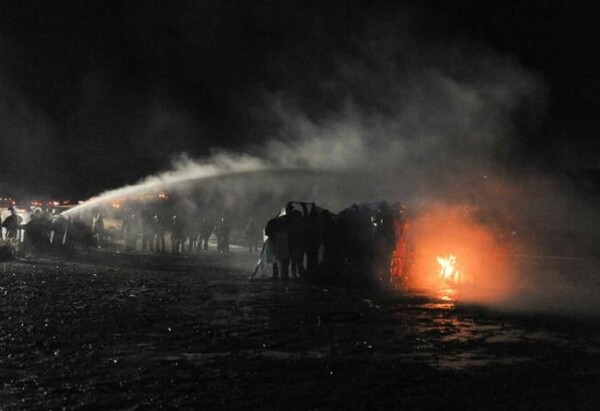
{"type": "Point", "coordinates": [331, 247]}
{"type": "Point", "coordinates": [177, 234]}
{"type": "Point", "coordinates": [253, 235]}
{"type": "Point", "coordinates": [99, 231]}
{"type": "Point", "coordinates": [296, 242]}
{"type": "Point", "coordinates": [278, 246]}
{"type": "Point", "coordinates": [384, 242]}
{"type": "Point", "coordinates": [196, 232]}
{"type": "Point", "coordinates": [147, 231]}
{"type": "Point", "coordinates": [130, 229]}
{"type": "Point", "coordinates": [59, 230]}
{"type": "Point", "coordinates": [34, 231]}
{"type": "Point", "coordinates": [46, 227]}
{"type": "Point", "coordinates": [189, 232]}
{"type": "Point", "coordinates": [223, 231]}
{"type": "Point", "coordinates": [11, 224]}
{"type": "Point", "coordinates": [312, 240]}
{"type": "Point", "coordinates": [159, 234]}
{"type": "Point", "coordinates": [206, 231]}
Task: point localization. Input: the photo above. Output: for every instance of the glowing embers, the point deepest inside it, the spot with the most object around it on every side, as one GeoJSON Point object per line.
{"type": "Point", "coordinates": [450, 270]}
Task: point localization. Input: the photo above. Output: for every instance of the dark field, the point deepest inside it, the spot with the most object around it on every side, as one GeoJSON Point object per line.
{"type": "Point", "coordinates": [124, 332]}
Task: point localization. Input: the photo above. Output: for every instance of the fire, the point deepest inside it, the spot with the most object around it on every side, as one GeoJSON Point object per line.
{"type": "Point", "coordinates": [449, 271]}
{"type": "Point", "coordinates": [451, 247]}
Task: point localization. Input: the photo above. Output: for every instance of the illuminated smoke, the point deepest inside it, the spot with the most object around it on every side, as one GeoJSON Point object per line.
{"type": "Point", "coordinates": [413, 117]}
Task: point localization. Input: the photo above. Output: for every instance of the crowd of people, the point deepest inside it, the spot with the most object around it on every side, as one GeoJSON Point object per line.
{"type": "Point", "coordinates": [188, 234]}
{"type": "Point", "coordinates": [358, 243]}
{"type": "Point", "coordinates": [141, 231]}
{"type": "Point", "coordinates": [43, 230]}
{"type": "Point", "coordinates": [304, 241]}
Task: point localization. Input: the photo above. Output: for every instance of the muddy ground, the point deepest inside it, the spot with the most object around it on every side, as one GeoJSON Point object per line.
{"type": "Point", "coordinates": [115, 331]}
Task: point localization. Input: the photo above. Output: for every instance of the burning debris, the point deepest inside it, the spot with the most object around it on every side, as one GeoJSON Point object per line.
{"type": "Point", "coordinates": [451, 270]}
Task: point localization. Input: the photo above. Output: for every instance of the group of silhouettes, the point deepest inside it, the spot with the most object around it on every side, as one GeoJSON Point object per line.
{"type": "Point", "coordinates": [355, 246]}
{"type": "Point", "coordinates": [44, 230]}
{"type": "Point", "coordinates": [293, 237]}
{"type": "Point", "coordinates": [188, 234]}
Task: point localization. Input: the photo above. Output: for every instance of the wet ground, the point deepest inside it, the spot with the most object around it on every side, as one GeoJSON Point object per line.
{"type": "Point", "coordinates": [114, 331]}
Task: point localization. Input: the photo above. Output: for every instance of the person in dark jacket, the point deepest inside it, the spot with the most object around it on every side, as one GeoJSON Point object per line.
{"type": "Point", "coordinates": [223, 231]}
{"type": "Point", "coordinates": [312, 240]}
{"type": "Point", "coordinates": [296, 242]}
{"type": "Point", "coordinates": [253, 235]}
{"type": "Point", "coordinates": [278, 249]}
{"type": "Point", "coordinates": [11, 224]}
{"type": "Point", "coordinates": [99, 231]}
{"type": "Point", "coordinates": [158, 234]}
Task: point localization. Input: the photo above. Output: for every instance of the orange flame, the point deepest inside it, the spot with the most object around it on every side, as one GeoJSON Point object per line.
{"type": "Point", "coordinates": [450, 246]}
{"type": "Point", "coordinates": [448, 271]}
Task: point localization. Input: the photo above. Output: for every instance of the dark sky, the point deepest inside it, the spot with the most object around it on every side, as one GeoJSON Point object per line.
{"type": "Point", "coordinates": [95, 95]}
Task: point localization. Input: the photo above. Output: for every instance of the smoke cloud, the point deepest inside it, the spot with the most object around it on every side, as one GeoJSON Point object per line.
{"type": "Point", "coordinates": [419, 115]}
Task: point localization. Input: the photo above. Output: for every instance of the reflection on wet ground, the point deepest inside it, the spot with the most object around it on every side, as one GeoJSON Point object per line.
{"type": "Point", "coordinates": [83, 335]}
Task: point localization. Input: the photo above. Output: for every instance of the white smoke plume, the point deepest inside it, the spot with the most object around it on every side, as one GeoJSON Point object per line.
{"type": "Point", "coordinates": [404, 122]}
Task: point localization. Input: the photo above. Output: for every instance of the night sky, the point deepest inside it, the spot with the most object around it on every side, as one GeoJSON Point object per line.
{"type": "Point", "coordinates": [94, 95]}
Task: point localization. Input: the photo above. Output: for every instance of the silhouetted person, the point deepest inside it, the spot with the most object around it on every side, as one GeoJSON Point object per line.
{"type": "Point", "coordinates": [328, 238]}
{"type": "Point", "coordinates": [253, 235]}
{"type": "Point", "coordinates": [277, 247]}
{"type": "Point", "coordinates": [296, 242]}
{"type": "Point", "coordinates": [34, 234]}
{"type": "Point", "coordinates": [312, 240]}
{"type": "Point", "coordinates": [189, 233]}
{"type": "Point", "coordinates": [147, 232]}
{"type": "Point", "coordinates": [356, 231]}
{"type": "Point", "coordinates": [11, 224]}
{"type": "Point", "coordinates": [384, 242]}
{"type": "Point", "coordinates": [159, 234]}
{"type": "Point", "coordinates": [80, 233]}
{"type": "Point", "coordinates": [177, 234]}
{"type": "Point", "coordinates": [59, 230]}
{"type": "Point", "coordinates": [99, 231]}
{"type": "Point", "coordinates": [195, 233]}
{"type": "Point", "coordinates": [206, 231]}
{"type": "Point", "coordinates": [131, 230]}
{"type": "Point", "coordinates": [223, 231]}
{"type": "Point", "coordinates": [46, 227]}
